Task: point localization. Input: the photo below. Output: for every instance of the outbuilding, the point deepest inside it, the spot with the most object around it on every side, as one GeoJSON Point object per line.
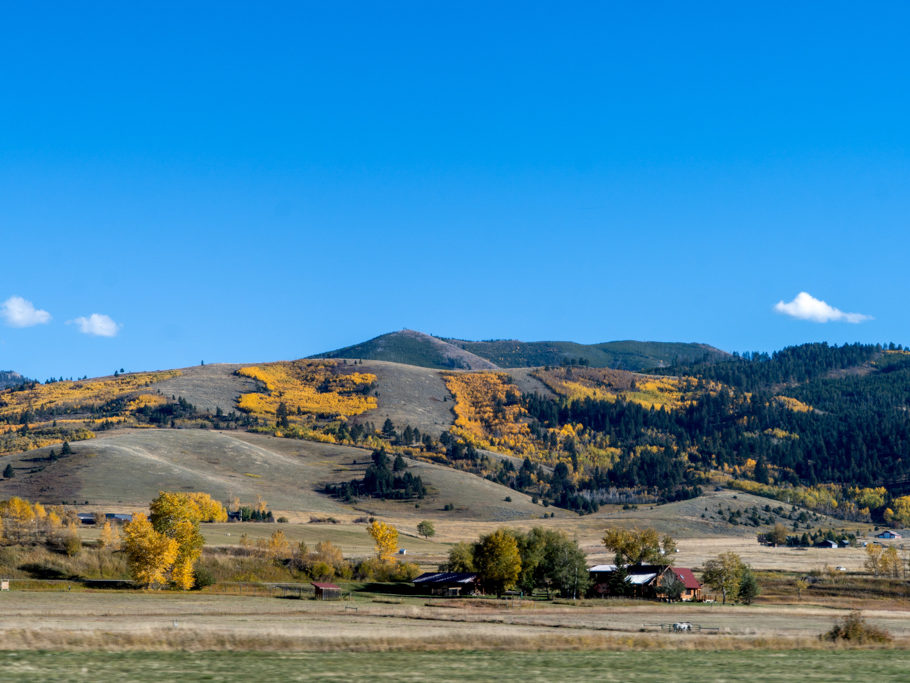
{"type": "Point", "coordinates": [327, 591]}
{"type": "Point", "coordinates": [446, 583]}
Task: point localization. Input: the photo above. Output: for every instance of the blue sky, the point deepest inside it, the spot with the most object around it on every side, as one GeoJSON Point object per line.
{"type": "Point", "coordinates": [227, 182]}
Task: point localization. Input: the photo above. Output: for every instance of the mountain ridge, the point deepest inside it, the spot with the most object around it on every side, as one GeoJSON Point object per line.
{"type": "Point", "coordinates": [443, 353]}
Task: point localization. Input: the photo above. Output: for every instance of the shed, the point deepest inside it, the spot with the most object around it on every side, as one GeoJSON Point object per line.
{"type": "Point", "coordinates": [827, 543]}
{"type": "Point", "coordinates": [86, 517]}
{"type": "Point", "coordinates": [327, 591]}
{"type": "Point", "coordinates": [446, 583]}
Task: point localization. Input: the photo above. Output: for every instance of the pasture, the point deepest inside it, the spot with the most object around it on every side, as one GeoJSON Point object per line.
{"type": "Point", "coordinates": [697, 667]}
{"type": "Point", "coordinates": [254, 619]}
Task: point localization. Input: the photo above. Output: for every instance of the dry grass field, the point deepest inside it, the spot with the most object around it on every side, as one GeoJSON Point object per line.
{"type": "Point", "coordinates": [201, 621]}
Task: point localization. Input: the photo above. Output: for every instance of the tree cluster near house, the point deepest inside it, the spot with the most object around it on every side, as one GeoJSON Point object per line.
{"type": "Point", "coordinates": [541, 559]}
{"type": "Point", "coordinates": [640, 546]}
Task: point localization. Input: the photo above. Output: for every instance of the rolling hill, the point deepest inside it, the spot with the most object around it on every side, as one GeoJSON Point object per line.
{"type": "Point", "coordinates": [415, 348]}
{"type": "Point", "coordinates": [127, 469]}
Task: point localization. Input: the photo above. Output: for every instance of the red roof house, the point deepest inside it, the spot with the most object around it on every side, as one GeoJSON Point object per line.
{"type": "Point", "coordinates": [692, 590]}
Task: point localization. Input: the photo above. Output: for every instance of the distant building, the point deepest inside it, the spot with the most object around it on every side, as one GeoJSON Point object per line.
{"type": "Point", "coordinates": [828, 544]}
{"type": "Point", "coordinates": [327, 591]}
{"type": "Point", "coordinates": [446, 583]}
{"type": "Point", "coordinates": [887, 533]}
{"type": "Point", "coordinates": [643, 581]}
{"type": "Point", "coordinates": [118, 517]}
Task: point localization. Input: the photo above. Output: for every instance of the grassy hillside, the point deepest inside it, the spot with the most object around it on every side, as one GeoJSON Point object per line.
{"type": "Point", "coordinates": [129, 468]}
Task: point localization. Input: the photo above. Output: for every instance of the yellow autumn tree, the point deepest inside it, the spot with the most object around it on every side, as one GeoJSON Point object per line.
{"type": "Point", "coordinates": [177, 516]}
{"type": "Point", "coordinates": [873, 562]}
{"type": "Point", "coordinates": [149, 554]}
{"type": "Point", "coordinates": [109, 537]}
{"type": "Point", "coordinates": [18, 514]}
{"type": "Point", "coordinates": [901, 510]}
{"type": "Point", "coordinates": [890, 562]}
{"type": "Point", "coordinates": [385, 536]}
{"type": "Point", "coordinates": [54, 521]}
{"type": "Point", "coordinates": [278, 547]}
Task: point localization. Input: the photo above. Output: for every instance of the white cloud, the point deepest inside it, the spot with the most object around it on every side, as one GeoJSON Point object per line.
{"type": "Point", "coordinates": [807, 307]}
{"type": "Point", "coordinates": [97, 324]}
{"type": "Point", "coordinates": [17, 312]}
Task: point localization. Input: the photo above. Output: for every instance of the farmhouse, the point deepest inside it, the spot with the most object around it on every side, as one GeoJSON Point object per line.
{"type": "Point", "coordinates": [691, 586]}
{"type": "Point", "coordinates": [645, 581]}
{"type": "Point", "coordinates": [888, 534]}
{"type": "Point", "coordinates": [446, 583]}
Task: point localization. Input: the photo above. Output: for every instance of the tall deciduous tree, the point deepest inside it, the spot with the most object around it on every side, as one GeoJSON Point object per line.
{"type": "Point", "coordinates": [724, 573]}
{"type": "Point", "coordinates": [461, 558]}
{"type": "Point", "coordinates": [177, 516]}
{"type": "Point", "coordinates": [149, 554]}
{"type": "Point", "coordinates": [645, 546]}
{"type": "Point", "coordinates": [498, 561]}
{"type": "Point", "coordinates": [385, 536]}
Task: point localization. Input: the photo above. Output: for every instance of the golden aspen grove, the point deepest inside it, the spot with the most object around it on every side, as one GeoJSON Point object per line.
{"type": "Point", "coordinates": [165, 546]}
{"type": "Point", "coordinates": [308, 387]}
{"type": "Point", "coordinates": [40, 415]}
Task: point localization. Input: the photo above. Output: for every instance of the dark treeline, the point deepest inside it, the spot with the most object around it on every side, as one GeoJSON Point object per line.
{"type": "Point", "coordinates": [858, 432]}
{"type": "Point", "coordinates": [791, 365]}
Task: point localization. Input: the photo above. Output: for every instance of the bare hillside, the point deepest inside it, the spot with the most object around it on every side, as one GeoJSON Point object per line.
{"type": "Point", "coordinates": [411, 395]}
{"type": "Point", "coordinates": [130, 467]}
{"type": "Point", "coordinates": [209, 387]}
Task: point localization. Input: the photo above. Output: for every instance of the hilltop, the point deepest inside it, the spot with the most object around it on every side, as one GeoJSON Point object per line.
{"type": "Point", "coordinates": [416, 348]}
{"type": "Point", "coordinates": [410, 347]}
{"type": "Point", "coordinates": [8, 379]}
